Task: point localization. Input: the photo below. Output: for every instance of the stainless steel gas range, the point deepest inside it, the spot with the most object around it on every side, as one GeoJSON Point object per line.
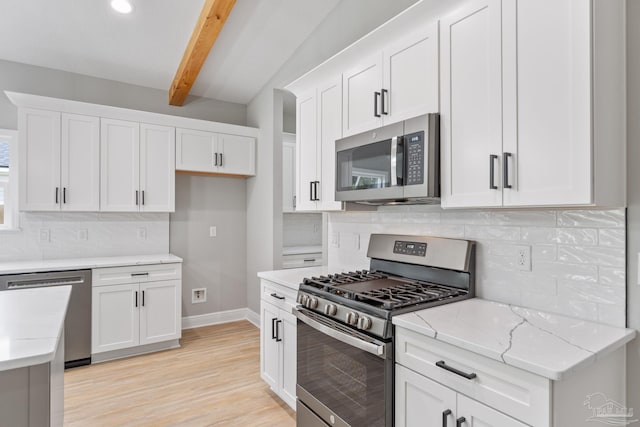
{"type": "Point", "coordinates": [345, 334]}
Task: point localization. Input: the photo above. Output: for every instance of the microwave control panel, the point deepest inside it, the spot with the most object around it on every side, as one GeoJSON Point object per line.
{"type": "Point", "coordinates": [414, 143]}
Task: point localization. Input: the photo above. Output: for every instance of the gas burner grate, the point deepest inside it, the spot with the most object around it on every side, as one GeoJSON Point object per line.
{"type": "Point", "coordinates": [407, 294]}
{"type": "Point", "coordinates": [343, 278]}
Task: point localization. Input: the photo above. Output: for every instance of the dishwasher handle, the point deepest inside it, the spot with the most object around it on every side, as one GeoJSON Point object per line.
{"type": "Point", "coordinates": [29, 284]}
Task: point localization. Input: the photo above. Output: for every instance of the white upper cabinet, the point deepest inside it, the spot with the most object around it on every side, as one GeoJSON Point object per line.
{"type": "Point", "coordinates": [397, 83]}
{"type": "Point", "coordinates": [59, 161]}
{"type": "Point", "coordinates": [209, 152]}
{"type": "Point", "coordinates": [411, 75]}
{"type": "Point", "coordinates": [471, 114]}
{"type": "Point", "coordinates": [157, 168]}
{"type": "Point", "coordinates": [319, 124]}
{"type": "Point", "coordinates": [137, 167]}
{"type": "Point", "coordinates": [120, 165]}
{"type": "Point", "coordinates": [533, 91]}
{"type": "Point", "coordinates": [288, 172]}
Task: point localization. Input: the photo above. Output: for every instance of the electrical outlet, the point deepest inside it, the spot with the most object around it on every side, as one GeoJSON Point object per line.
{"type": "Point", "coordinates": [523, 258]}
{"type": "Point", "coordinates": [335, 239]}
{"type": "Point", "coordinates": [198, 295]}
{"type": "Point", "coordinates": [213, 231]}
{"type": "Point", "coordinates": [356, 241]}
{"type": "Point", "coordinates": [83, 234]}
{"type": "Point", "coordinates": [45, 235]}
{"type": "Point", "coordinates": [142, 233]}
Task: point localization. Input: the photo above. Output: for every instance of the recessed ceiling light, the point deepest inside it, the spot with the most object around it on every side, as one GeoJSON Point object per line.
{"type": "Point", "coordinates": [122, 6]}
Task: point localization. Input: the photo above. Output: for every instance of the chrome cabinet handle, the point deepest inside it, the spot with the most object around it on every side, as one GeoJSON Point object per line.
{"type": "Point", "coordinates": [492, 172]}
{"type": "Point", "coordinates": [445, 417]}
{"type": "Point", "coordinates": [442, 364]}
{"type": "Point", "coordinates": [505, 170]}
{"type": "Point", "coordinates": [459, 421]}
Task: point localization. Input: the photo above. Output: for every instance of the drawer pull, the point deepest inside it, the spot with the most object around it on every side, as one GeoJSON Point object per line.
{"type": "Point", "coordinates": [445, 417]}
{"type": "Point", "coordinates": [459, 421]}
{"type": "Point", "coordinates": [276, 296]}
{"type": "Point", "coordinates": [309, 260]}
{"type": "Point", "coordinates": [139, 274]}
{"type": "Point", "coordinates": [443, 365]}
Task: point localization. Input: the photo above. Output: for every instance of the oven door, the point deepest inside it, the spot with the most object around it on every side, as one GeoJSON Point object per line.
{"type": "Point", "coordinates": [345, 378]}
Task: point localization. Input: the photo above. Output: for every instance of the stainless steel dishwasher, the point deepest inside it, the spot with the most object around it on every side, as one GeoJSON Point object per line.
{"type": "Point", "coordinates": [77, 326]}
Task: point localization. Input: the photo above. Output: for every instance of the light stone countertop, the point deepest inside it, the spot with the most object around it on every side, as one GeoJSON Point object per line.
{"type": "Point", "coordinates": [31, 324]}
{"type": "Point", "coordinates": [546, 344]}
{"type": "Point", "coordinates": [292, 277]}
{"type": "Point", "coordinates": [18, 267]}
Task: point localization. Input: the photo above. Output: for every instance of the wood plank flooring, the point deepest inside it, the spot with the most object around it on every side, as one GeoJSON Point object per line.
{"type": "Point", "coordinates": [212, 380]}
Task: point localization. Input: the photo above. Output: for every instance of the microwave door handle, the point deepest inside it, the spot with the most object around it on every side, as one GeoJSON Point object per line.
{"type": "Point", "coordinates": [394, 161]}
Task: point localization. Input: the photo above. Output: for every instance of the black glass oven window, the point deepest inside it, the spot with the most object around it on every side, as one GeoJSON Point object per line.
{"type": "Point", "coordinates": [368, 166]}
{"type": "Point", "coordinates": [347, 380]}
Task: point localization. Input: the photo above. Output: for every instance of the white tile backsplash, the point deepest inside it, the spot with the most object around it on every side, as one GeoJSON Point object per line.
{"type": "Point", "coordinates": [578, 256]}
{"type": "Point", "coordinates": [302, 229]}
{"type": "Point", "coordinates": [108, 234]}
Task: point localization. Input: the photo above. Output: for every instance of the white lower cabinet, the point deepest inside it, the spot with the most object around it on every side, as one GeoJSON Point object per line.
{"type": "Point", "coordinates": [136, 310]}
{"type": "Point", "coordinates": [439, 384]}
{"type": "Point", "coordinates": [278, 340]}
{"type": "Point", "coordinates": [423, 402]}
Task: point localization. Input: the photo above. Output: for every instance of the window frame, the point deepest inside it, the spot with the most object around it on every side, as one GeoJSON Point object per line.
{"type": "Point", "coordinates": [9, 180]}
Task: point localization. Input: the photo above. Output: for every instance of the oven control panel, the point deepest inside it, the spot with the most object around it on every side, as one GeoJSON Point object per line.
{"type": "Point", "coordinates": [409, 248]}
{"type": "Point", "coordinates": [415, 158]}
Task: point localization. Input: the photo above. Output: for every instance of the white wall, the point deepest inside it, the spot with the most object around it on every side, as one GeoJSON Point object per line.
{"type": "Point", "coordinates": [346, 23]}
{"type": "Point", "coordinates": [214, 263]}
{"type": "Point", "coordinates": [578, 256]}
{"type": "Point", "coordinates": [116, 234]}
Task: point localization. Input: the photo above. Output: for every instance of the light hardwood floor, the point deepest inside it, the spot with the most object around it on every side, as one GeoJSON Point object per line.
{"type": "Point", "coordinates": [212, 380]}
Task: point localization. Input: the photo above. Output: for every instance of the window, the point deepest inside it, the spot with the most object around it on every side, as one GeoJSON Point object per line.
{"type": "Point", "coordinates": [8, 179]}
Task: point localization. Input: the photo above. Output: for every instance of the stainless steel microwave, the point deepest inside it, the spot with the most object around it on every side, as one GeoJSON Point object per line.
{"type": "Point", "coordinates": [397, 163]}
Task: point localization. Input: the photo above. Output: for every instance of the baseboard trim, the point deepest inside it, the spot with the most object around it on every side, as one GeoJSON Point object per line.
{"type": "Point", "coordinates": [134, 351]}
{"type": "Point", "coordinates": [221, 317]}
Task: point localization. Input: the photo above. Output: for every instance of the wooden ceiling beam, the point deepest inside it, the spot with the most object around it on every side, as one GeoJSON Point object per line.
{"type": "Point", "coordinates": [212, 18]}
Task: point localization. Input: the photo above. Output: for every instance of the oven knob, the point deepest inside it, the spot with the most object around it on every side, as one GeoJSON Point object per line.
{"type": "Point", "coordinates": [330, 309]}
{"type": "Point", "coordinates": [352, 318]}
{"type": "Point", "coordinates": [302, 299]}
{"type": "Point", "coordinates": [364, 323]}
{"type": "Point", "coordinates": [312, 302]}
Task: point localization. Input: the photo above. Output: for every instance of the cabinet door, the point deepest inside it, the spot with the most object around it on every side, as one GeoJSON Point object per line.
{"type": "Point", "coordinates": [80, 163]}
{"type": "Point", "coordinates": [288, 331]}
{"type": "Point", "coordinates": [119, 165]}
{"type": "Point", "coordinates": [236, 155]}
{"type": "Point", "coordinates": [471, 115]}
{"type": "Point", "coordinates": [329, 130]}
{"type": "Point", "coordinates": [269, 348]}
{"type": "Point", "coordinates": [411, 75]}
{"type": "Point", "coordinates": [114, 317]}
{"type": "Point", "coordinates": [478, 415]}
{"type": "Point", "coordinates": [420, 401]}
{"type": "Point", "coordinates": [547, 102]}
{"type": "Point", "coordinates": [160, 311]}
{"type": "Point", "coordinates": [361, 108]}
{"type": "Point", "coordinates": [39, 142]}
{"type": "Point", "coordinates": [289, 174]}
{"type": "Point", "coordinates": [157, 168]}
{"type": "Point", "coordinates": [306, 150]}
{"type": "Point", "coordinates": [195, 150]}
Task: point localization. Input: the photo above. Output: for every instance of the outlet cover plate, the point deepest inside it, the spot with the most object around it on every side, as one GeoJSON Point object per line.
{"type": "Point", "coordinates": [198, 295]}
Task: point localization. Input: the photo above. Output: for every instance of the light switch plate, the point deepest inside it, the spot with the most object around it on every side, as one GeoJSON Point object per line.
{"type": "Point", "coordinates": [45, 235]}
{"type": "Point", "coordinates": [83, 234]}
{"type": "Point", "coordinates": [335, 239]}
{"type": "Point", "coordinates": [213, 231]}
{"type": "Point", "coordinates": [142, 233]}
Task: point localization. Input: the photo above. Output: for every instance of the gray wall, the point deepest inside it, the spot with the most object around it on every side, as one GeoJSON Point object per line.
{"type": "Point", "coordinates": [61, 84]}
{"type": "Point", "coordinates": [343, 26]}
{"type": "Point", "coordinates": [215, 263]}
{"type": "Point", "coordinates": [203, 201]}
{"type": "Point", "coordinates": [633, 200]}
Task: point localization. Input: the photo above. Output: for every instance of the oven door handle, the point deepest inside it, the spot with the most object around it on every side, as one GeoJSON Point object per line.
{"type": "Point", "coordinates": [375, 349]}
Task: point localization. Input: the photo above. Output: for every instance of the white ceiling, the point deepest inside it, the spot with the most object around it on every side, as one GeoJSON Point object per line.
{"type": "Point", "coordinates": [145, 47]}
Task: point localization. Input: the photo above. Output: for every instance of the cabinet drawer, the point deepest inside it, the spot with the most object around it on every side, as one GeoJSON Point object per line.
{"type": "Point", "coordinates": [278, 295]}
{"type": "Point", "coordinates": [136, 274]}
{"type": "Point", "coordinates": [522, 395]}
{"type": "Point", "coordinates": [301, 260]}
